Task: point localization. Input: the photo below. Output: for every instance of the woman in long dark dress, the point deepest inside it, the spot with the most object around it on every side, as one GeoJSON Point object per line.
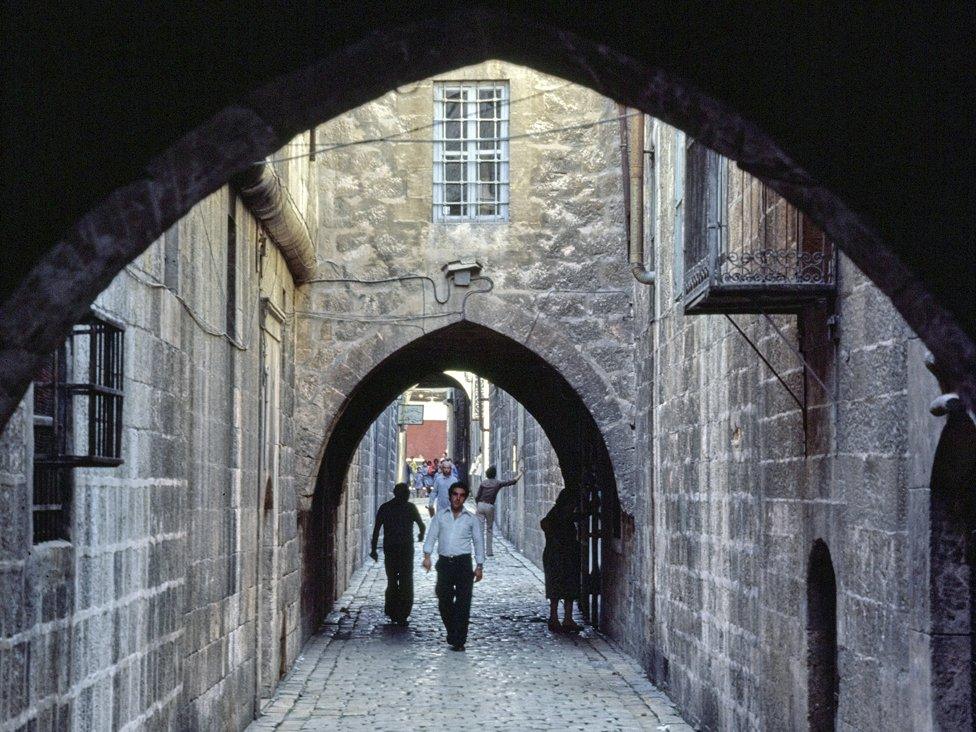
{"type": "Point", "coordinates": [561, 560]}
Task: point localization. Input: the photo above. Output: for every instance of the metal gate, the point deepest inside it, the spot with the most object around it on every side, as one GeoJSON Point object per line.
{"type": "Point", "coordinates": [591, 527]}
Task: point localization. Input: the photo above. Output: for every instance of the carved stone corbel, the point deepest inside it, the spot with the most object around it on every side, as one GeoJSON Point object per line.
{"type": "Point", "coordinates": [949, 402]}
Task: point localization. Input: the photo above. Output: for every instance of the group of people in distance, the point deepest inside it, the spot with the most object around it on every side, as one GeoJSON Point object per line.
{"type": "Point", "coordinates": [457, 533]}
{"type": "Point", "coordinates": [421, 473]}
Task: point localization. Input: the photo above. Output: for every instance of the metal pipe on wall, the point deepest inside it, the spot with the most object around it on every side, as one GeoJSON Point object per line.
{"type": "Point", "coordinates": [269, 202]}
{"type": "Point", "coordinates": [635, 188]}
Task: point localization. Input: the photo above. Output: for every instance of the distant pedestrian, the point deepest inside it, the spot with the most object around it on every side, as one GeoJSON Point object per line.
{"type": "Point", "coordinates": [485, 502]}
{"type": "Point", "coordinates": [397, 518]}
{"type": "Point", "coordinates": [438, 496]}
{"type": "Point", "coordinates": [561, 560]}
{"type": "Point", "coordinates": [455, 532]}
{"type": "Point", "coordinates": [418, 479]}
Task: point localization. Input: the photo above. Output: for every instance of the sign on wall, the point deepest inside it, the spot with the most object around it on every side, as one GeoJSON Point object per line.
{"type": "Point", "coordinates": [411, 414]}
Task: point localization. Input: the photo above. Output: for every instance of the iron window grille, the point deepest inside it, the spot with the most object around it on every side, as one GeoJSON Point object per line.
{"type": "Point", "coordinates": [471, 162]}
{"type": "Point", "coordinates": [776, 261]}
{"type": "Point", "coordinates": [78, 399]}
{"type": "Point", "coordinates": [77, 423]}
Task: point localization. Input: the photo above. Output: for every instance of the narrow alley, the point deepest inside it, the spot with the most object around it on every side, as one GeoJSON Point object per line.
{"type": "Point", "coordinates": [680, 303]}
{"type": "Point", "coordinates": [362, 673]}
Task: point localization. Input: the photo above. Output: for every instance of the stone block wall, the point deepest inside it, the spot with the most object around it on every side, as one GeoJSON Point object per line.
{"type": "Point", "coordinates": [146, 615]}
{"type": "Point", "coordinates": [519, 508]}
{"type": "Point", "coordinates": [557, 266]}
{"type": "Point", "coordinates": [743, 486]}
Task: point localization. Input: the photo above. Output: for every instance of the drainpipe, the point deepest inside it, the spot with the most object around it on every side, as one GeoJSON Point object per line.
{"type": "Point", "coordinates": [635, 198]}
{"type": "Point", "coordinates": [268, 200]}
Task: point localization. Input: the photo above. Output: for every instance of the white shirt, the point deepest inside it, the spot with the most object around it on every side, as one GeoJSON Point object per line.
{"type": "Point", "coordinates": [440, 493]}
{"type": "Point", "coordinates": [455, 535]}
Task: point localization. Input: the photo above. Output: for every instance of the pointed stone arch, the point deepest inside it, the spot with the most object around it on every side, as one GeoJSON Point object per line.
{"type": "Point", "coordinates": [823, 679]}
{"type": "Point", "coordinates": [60, 284]}
{"type": "Point", "coordinates": [572, 404]}
{"type": "Point", "coordinates": [946, 610]}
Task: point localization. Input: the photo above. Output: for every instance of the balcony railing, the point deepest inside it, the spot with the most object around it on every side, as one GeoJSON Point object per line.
{"type": "Point", "coordinates": [760, 256]}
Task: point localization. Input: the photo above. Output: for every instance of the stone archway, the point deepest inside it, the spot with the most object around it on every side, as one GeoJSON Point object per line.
{"type": "Point", "coordinates": [60, 285]}
{"type": "Point", "coordinates": [557, 398]}
{"type": "Point", "coordinates": [823, 678]}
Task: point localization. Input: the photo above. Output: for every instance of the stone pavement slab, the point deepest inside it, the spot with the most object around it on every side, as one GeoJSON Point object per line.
{"type": "Point", "coordinates": [360, 673]}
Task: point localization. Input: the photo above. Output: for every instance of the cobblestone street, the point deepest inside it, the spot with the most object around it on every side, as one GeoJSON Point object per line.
{"type": "Point", "coordinates": [360, 673]}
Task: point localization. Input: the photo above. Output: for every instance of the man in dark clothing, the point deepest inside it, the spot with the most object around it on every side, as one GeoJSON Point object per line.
{"type": "Point", "coordinates": [397, 518]}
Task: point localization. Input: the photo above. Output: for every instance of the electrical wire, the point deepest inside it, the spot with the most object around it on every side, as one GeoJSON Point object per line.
{"type": "Point", "coordinates": [431, 125]}
{"type": "Point", "coordinates": [464, 302]}
{"type": "Point", "coordinates": [386, 280]}
{"type": "Point", "coordinates": [204, 326]}
{"type": "Point", "coordinates": [428, 141]}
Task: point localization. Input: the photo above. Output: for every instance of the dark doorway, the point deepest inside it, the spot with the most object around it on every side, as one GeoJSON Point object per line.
{"type": "Point", "coordinates": [823, 679]}
{"type": "Point", "coordinates": [951, 582]}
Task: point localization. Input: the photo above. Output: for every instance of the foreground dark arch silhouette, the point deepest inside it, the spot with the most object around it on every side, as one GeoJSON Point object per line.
{"type": "Point", "coordinates": [196, 99]}
{"type": "Point", "coordinates": [463, 346]}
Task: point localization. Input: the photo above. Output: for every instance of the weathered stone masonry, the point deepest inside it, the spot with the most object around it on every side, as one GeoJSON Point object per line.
{"type": "Point", "coordinates": [179, 598]}
{"type": "Point", "coordinates": [557, 282]}
{"type": "Point", "coordinates": [148, 616]}
{"type": "Point", "coordinates": [710, 584]}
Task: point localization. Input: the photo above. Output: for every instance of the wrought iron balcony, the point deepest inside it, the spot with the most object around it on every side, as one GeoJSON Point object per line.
{"type": "Point", "coordinates": [757, 255]}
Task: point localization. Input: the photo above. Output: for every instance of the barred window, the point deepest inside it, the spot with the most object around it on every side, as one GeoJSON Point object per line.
{"type": "Point", "coordinates": [77, 419]}
{"type": "Point", "coordinates": [471, 151]}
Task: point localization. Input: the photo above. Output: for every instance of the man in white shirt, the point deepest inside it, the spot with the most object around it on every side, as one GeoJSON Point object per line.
{"type": "Point", "coordinates": [454, 532]}
{"type": "Point", "coordinates": [442, 486]}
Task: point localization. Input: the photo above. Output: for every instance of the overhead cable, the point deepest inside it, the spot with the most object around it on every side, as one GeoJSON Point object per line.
{"type": "Point", "coordinates": [428, 141]}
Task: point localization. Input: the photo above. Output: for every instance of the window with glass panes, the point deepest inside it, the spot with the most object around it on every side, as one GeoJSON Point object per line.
{"type": "Point", "coordinates": [471, 151]}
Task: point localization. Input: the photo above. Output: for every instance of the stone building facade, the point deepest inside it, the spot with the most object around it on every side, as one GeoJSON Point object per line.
{"type": "Point", "coordinates": [171, 599]}
{"type": "Point", "coordinates": [743, 486]}
{"type": "Point", "coordinates": [552, 274]}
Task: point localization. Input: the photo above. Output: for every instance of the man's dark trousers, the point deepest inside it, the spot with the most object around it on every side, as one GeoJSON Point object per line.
{"type": "Point", "coordinates": [398, 561]}
{"type": "Point", "coordinates": [455, 580]}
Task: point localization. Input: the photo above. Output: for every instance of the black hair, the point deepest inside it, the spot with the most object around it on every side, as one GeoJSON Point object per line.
{"type": "Point", "coordinates": [460, 484]}
{"type": "Point", "coordinates": [401, 490]}
{"type": "Point", "coordinates": [491, 472]}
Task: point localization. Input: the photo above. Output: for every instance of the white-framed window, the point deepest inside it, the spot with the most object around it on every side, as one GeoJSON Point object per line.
{"type": "Point", "coordinates": [471, 151]}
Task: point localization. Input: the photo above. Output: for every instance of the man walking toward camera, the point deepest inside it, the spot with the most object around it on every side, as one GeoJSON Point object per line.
{"type": "Point", "coordinates": [397, 518]}
{"type": "Point", "coordinates": [455, 532]}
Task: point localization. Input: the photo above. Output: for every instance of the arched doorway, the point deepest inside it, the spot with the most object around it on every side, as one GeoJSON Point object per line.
{"type": "Point", "coordinates": [823, 680]}
{"type": "Point", "coordinates": [457, 444]}
{"type": "Point", "coordinates": [100, 231]}
{"type": "Point", "coordinates": [538, 385]}
{"type": "Point", "coordinates": [950, 627]}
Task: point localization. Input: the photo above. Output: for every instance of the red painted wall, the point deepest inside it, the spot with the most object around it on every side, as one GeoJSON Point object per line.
{"type": "Point", "coordinates": [428, 439]}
